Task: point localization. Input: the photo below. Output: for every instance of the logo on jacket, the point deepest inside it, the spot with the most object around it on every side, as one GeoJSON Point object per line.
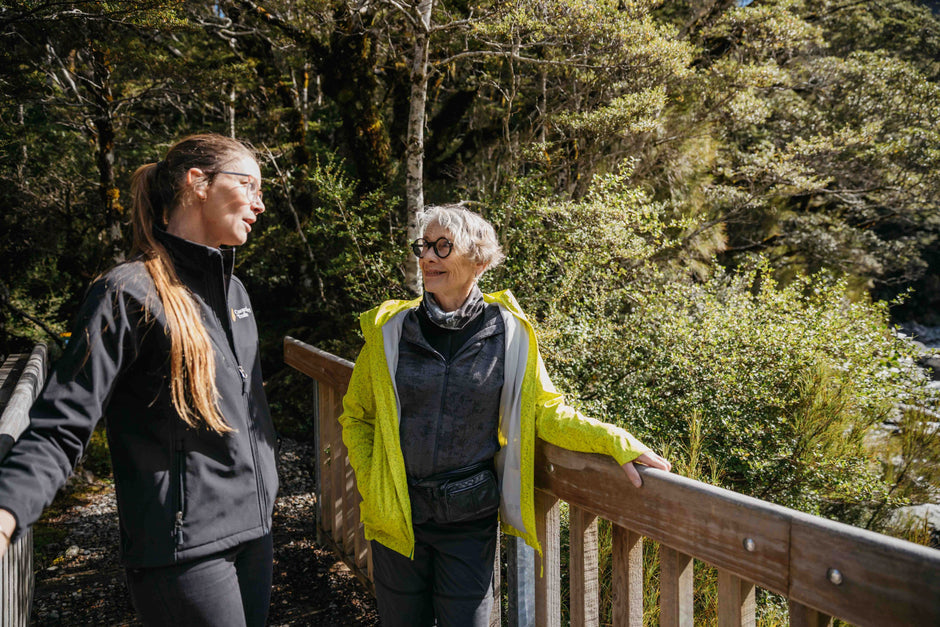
{"type": "Point", "coordinates": [244, 312]}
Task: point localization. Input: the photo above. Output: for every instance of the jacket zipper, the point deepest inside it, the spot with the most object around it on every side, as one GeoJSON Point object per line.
{"type": "Point", "coordinates": [259, 477]}
{"type": "Point", "coordinates": [447, 364]}
{"type": "Point", "coordinates": [227, 352]}
{"type": "Point", "coordinates": [180, 469]}
{"type": "Point", "coordinates": [440, 411]}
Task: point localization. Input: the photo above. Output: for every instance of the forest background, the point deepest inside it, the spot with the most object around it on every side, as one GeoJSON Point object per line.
{"type": "Point", "coordinates": [716, 212]}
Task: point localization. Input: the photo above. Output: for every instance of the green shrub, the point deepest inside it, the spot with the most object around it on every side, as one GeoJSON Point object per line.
{"type": "Point", "coordinates": [764, 389]}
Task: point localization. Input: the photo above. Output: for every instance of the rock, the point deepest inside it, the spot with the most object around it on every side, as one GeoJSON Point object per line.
{"type": "Point", "coordinates": [929, 336]}
{"type": "Point", "coordinates": [917, 513]}
{"type": "Point", "coordinates": [932, 363]}
{"type": "Point", "coordinates": [72, 551]}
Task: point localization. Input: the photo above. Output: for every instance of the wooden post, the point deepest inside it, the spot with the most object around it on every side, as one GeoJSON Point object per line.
{"type": "Point", "coordinates": [318, 459]}
{"type": "Point", "coordinates": [520, 582]}
{"type": "Point", "coordinates": [627, 584]}
{"type": "Point", "coordinates": [496, 612]}
{"type": "Point", "coordinates": [350, 508]}
{"type": "Point", "coordinates": [548, 577]}
{"type": "Point", "coordinates": [583, 586]}
{"type": "Point", "coordinates": [17, 582]}
{"type": "Point", "coordinates": [675, 588]}
{"type": "Point", "coordinates": [337, 472]}
{"type": "Point", "coordinates": [803, 616]}
{"type": "Point", "coordinates": [736, 604]}
{"type": "Point", "coordinates": [325, 454]}
{"type": "Point", "coordinates": [362, 545]}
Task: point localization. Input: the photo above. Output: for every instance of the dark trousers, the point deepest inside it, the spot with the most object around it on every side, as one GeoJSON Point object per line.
{"type": "Point", "coordinates": [450, 578]}
{"type": "Point", "coordinates": [227, 589]}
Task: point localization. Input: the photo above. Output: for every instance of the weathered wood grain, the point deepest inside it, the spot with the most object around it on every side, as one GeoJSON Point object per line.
{"type": "Point", "coordinates": [627, 579]}
{"type": "Point", "coordinates": [703, 521]}
{"type": "Point", "coordinates": [362, 545]}
{"type": "Point", "coordinates": [736, 602]}
{"type": "Point", "coordinates": [496, 613]}
{"type": "Point", "coordinates": [802, 616]}
{"type": "Point", "coordinates": [675, 588]}
{"type": "Point", "coordinates": [548, 567]}
{"type": "Point", "coordinates": [583, 587]}
{"type": "Point", "coordinates": [27, 374]}
{"type": "Point", "coordinates": [326, 429]}
{"type": "Point", "coordinates": [863, 577]}
{"type": "Point", "coordinates": [17, 582]}
{"type": "Point", "coordinates": [351, 509]}
{"type": "Point", "coordinates": [318, 364]}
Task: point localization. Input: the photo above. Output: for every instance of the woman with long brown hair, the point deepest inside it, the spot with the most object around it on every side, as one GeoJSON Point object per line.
{"type": "Point", "coordinates": [165, 350]}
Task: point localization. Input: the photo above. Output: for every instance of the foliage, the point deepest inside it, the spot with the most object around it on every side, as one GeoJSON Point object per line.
{"type": "Point", "coordinates": [767, 389]}
{"type": "Point", "coordinates": [828, 145]}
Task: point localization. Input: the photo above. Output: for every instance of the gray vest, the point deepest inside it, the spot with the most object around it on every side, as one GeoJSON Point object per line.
{"type": "Point", "coordinates": [449, 409]}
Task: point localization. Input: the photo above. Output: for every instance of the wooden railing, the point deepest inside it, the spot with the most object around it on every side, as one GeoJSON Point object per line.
{"type": "Point", "coordinates": [21, 378]}
{"type": "Point", "coordinates": [825, 569]}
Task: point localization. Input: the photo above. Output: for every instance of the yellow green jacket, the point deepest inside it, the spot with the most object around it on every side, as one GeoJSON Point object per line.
{"type": "Point", "coordinates": [529, 407]}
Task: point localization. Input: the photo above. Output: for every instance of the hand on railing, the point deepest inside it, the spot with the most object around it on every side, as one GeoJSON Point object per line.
{"type": "Point", "coordinates": [650, 459]}
{"type": "Point", "coordinates": [7, 526]}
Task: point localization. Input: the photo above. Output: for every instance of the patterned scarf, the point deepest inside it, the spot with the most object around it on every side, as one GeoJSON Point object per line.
{"type": "Point", "coordinates": [458, 318]}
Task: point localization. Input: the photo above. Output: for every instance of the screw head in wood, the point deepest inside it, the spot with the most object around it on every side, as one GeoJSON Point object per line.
{"type": "Point", "coordinates": [749, 544]}
{"type": "Point", "coordinates": [834, 576]}
{"type": "Point", "coordinates": [551, 468]}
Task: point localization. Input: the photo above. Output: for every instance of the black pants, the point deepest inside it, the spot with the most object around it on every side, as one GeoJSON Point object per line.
{"type": "Point", "coordinates": [227, 589]}
{"type": "Point", "coordinates": [450, 578]}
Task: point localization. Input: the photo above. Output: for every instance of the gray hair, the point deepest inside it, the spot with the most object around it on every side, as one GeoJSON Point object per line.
{"type": "Point", "coordinates": [473, 235]}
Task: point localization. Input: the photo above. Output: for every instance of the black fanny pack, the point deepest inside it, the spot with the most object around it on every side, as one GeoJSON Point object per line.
{"type": "Point", "coordinates": [459, 495]}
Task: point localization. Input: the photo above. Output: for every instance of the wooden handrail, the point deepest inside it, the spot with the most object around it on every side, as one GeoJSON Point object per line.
{"type": "Point", "coordinates": [825, 569]}
{"type": "Point", "coordinates": [857, 575]}
{"type": "Point", "coordinates": [21, 378]}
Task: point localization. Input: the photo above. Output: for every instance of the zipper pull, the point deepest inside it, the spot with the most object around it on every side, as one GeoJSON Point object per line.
{"type": "Point", "coordinates": [244, 376]}
{"type": "Point", "coordinates": [178, 528]}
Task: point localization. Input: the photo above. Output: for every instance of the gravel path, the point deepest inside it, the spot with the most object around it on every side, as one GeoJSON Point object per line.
{"type": "Point", "coordinates": [79, 580]}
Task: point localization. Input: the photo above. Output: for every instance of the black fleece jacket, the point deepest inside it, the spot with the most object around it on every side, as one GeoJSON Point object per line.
{"type": "Point", "coordinates": [182, 493]}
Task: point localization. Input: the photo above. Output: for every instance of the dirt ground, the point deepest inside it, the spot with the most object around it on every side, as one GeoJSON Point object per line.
{"type": "Point", "coordinates": [79, 580]}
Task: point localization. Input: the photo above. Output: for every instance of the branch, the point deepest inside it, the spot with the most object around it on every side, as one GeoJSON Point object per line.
{"type": "Point", "coordinates": [514, 57]}
{"type": "Point", "coordinates": [6, 301]}
{"type": "Point", "coordinates": [286, 27]}
{"type": "Point", "coordinates": [406, 11]}
{"type": "Point", "coordinates": [300, 231]}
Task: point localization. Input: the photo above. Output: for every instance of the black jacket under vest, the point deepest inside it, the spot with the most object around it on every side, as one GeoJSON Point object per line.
{"type": "Point", "coordinates": [182, 493]}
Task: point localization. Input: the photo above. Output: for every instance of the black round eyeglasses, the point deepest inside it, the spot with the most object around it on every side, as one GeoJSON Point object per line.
{"type": "Point", "coordinates": [442, 247]}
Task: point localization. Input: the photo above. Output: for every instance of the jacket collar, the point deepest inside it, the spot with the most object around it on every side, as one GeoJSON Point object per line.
{"type": "Point", "coordinates": [196, 257]}
{"type": "Point", "coordinates": [375, 318]}
{"type": "Point", "coordinates": [492, 325]}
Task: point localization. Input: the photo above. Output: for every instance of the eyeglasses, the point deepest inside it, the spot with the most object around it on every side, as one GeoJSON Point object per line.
{"type": "Point", "coordinates": [442, 247]}
{"type": "Point", "coordinates": [252, 189]}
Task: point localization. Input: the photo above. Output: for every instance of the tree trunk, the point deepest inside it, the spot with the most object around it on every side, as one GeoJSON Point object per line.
{"type": "Point", "coordinates": [350, 80]}
{"type": "Point", "coordinates": [414, 186]}
{"type": "Point", "coordinates": [105, 135]}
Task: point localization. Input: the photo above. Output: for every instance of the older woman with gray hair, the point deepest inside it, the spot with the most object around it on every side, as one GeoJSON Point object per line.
{"type": "Point", "coordinates": [440, 419]}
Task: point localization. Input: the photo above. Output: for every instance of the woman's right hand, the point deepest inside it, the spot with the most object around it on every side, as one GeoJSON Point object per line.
{"type": "Point", "coordinates": [650, 459]}
{"type": "Point", "coordinates": [7, 527]}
